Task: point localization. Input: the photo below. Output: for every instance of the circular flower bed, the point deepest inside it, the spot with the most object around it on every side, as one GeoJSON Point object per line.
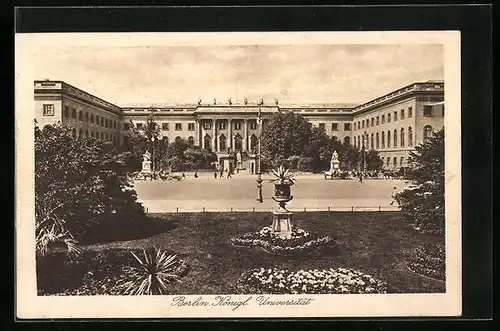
{"type": "Point", "coordinates": [325, 281]}
{"type": "Point", "coordinates": [429, 261]}
{"type": "Point", "coordinates": [301, 241]}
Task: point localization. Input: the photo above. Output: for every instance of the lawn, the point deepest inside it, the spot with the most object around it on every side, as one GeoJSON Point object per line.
{"type": "Point", "coordinates": [375, 243]}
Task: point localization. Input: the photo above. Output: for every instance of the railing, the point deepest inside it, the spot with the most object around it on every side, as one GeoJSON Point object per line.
{"type": "Point", "coordinates": [352, 209]}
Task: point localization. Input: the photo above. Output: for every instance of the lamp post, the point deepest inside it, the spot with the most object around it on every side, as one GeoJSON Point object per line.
{"type": "Point", "coordinates": [259, 176]}
{"type": "Point", "coordinates": [153, 157]}
{"type": "Point", "coordinates": [365, 142]}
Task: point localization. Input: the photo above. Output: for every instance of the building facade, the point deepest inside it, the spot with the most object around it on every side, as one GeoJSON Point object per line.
{"type": "Point", "coordinates": [392, 124]}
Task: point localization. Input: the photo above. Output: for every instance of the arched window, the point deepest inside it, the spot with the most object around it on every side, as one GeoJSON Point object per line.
{"type": "Point", "coordinates": [92, 118]}
{"type": "Point", "coordinates": [395, 138]}
{"type": "Point", "coordinates": [371, 141]}
{"type": "Point", "coordinates": [165, 139]}
{"type": "Point", "coordinates": [254, 142]}
{"type": "Point", "coordinates": [395, 162]}
{"type": "Point", "coordinates": [222, 142]}
{"type": "Point", "coordinates": [237, 142]}
{"type": "Point", "coordinates": [427, 132]}
{"type": "Point", "coordinates": [191, 141]}
{"type": "Point", "coordinates": [73, 113]}
{"type": "Point", "coordinates": [377, 141]}
{"type": "Point", "coordinates": [410, 137]}
{"type": "Point", "coordinates": [388, 139]}
{"type": "Point", "coordinates": [86, 117]}
{"type": "Point", "coordinates": [388, 160]}
{"type": "Point", "coordinates": [207, 142]}
{"type": "Point", "coordinates": [347, 140]}
{"type": "Point", "coordinates": [383, 139]}
{"type": "Point", "coordinates": [80, 115]}
{"type": "Point", "coordinates": [402, 142]}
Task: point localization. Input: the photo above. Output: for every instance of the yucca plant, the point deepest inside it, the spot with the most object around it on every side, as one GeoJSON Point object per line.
{"type": "Point", "coordinates": [154, 274]}
{"type": "Point", "coordinates": [283, 176]}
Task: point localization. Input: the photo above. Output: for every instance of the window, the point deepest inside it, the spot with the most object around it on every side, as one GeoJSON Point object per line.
{"type": "Point", "coordinates": [80, 133]}
{"type": "Point", "coordinates": [253, 125]}
{"type": "Point", "coordinates": [178, 126]}
{"type": "Point", "coordinates": [102, 121]}
{"type": "Point", "coordinates": [395, 161]}
{"type": "Point", "coordinates": [388, 139]}
{"type": "Point", "coordinates": [48, 110]}
{"type": "Point", "coordinates": [410, 112]}
{"type": "Point", "coordinates": [410, 137]}
{"type": "Point", "coordinates": [97, 120]}
{"type": "Point", "coordinates": [388, 118]}
{"type": "Point", "coordinates": [395, 116]}
{"type": "Point", "coordinates": [363, 124]}
{"type": "Point", "coordinates": [335, 126]}
{"type": "Point", "coordinates": [395, 138]}
{"type": "Point", "coordinates": [377, 141]}
{"type": "Point", "coordinates": [106, 124]}
{"type": "Point", "coordinates": [373, 121]}
{"type": "Point", "coordinates": [207, 126]}
{"type": "Point", "coordinates": [222, 125]}
{"type": "Point", "coordinates": [73, 114]}
{"type": "Point", "coordinates": [377, 120]}
{"type": "Point", "coordinates": [402, 138]}
{"type": "Point", "coordinates": [355, 128]}
{"type": "Point", "coordinates": [428, 111]}
{"type": "Point", "coordinates": [66, 112]}
{"type": "Point", "coordinates": [401, 161]}
{"type": "Point", "coordinates": [92, 118]}
{"type": "Point", "coordinates": [371, 141]}
{"type": "Point", "coordinates": [402, 114]}
{"type": "Point", "coordinates": [139, 125]}
{"type": "Point", "coordinates": [92, 134]}
{"type": "Point", "coordinates": [191, 127]}
{"type": "Point", "coordinates": [86, 117]}
{"type": "Point", "coordinates": [164, 126]}
{"type": "Point", "coordinates": [86, 133]}
{"type": "Point", "coordinates": [191, 140]}
{"type": "Point", "coordinates": [80, 116]}
{"type": "Point", "coordinates": [237, 125]}
{"type": "Point", "coordinates": [368, 123]}
{"type": "Point", "coordinates": [383, 119]}
{"type": "Point", "coordinates": [347, 140]}
{"type": "Point", "coordinates": [383, 139]}
{"type": "Point", "coordinates": [222, 143]}
{"type": "Point", "coordinates": [347, 126]}
{"type": "Point", "coordinates": [321, 126]}
{"type": "Point", "coordinates": [388, 160]}
{"type": "Point", "coordinates": [427, 132]}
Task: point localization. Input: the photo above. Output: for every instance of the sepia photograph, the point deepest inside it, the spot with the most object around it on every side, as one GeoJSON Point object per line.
{"type": "Point", "coordinates": [238, 174]}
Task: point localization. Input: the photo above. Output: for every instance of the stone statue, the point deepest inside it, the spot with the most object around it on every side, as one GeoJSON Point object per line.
{"type": "Point", "coordinates": [146, 156]}
{"type": "Point", "coordinates": [215, 101]}
{"type": "Point", "coordinates": [199, 101]}
{"type": "Point", "coordinates": [245, 101]}
{"type": "Point", "coordinates": [335, 156]}
{"type": "Point", "coordinates": [229, 101]}
{"type": "Point", "coordinates": [238, 157]}
{"type": "Point", "coordinates": [276, 101]}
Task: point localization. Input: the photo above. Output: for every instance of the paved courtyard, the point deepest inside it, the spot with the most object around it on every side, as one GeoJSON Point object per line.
{"type": "Point", "coordinates": [312, 193]}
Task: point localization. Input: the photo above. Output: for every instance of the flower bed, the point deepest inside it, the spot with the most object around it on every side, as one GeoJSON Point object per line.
{"type": "Point", "coordinates": [325, 281]}
{"type": "Point", "coordinates": [91, 273]}
{"type": "Point", "coordinates": [300, 241]}
{"type": "Point", "coordinates": [430, 261]}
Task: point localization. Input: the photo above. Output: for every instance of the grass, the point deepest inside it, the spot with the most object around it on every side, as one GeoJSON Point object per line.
{"type": "Point", "coordinates": [375, 243]}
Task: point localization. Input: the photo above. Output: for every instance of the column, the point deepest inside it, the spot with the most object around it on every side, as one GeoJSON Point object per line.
{"type": "Point", "coordinates": [213, 134]}
{"type": "Point", "coordinates": [245, 136]}
{"type": "Point", "coordinates": [230, 133]}
{"type": "Point", "coordinates": [200, 134]}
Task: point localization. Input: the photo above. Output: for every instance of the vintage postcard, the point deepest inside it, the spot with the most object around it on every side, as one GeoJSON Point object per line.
{"type": "Point", "coordinates": [198, 175]}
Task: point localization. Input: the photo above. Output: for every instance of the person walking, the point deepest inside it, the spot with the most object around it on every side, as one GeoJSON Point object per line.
{"type": "Point", "coordinates": [361, 177]}
{"type": "Point", "coordinates": [196, 173]}
{"type": "Point", "coordinates": [393, 196]}
{"type": "Point", "coordinates": [221, 174]}
{"type": "Point", "coordinates": [229, 174]}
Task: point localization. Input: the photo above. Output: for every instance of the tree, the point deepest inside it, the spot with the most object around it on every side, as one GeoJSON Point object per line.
{"type": "Point", "coordinates": [141, 140]}
{"type": "Point", "coordinates": [285, 135]}
{"type": "Point", "coordinates": [81, 190]}
{"type": "Point", "coordinates": [424, 200]}
{"type": "Point", "coordinates": [373, 160]}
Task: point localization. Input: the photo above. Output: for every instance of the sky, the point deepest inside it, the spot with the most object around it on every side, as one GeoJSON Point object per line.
{"type": "Point", "coordinates": [294, 74]}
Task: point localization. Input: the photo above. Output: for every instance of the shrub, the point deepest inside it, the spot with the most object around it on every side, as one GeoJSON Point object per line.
{"type": "Point", "coordinates": [153, 275]}
{"type": "Point", "coordinates": [305, 163]}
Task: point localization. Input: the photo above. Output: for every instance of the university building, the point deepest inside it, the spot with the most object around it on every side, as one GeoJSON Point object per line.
{"type": "Point", "coordinates": [392, 124]}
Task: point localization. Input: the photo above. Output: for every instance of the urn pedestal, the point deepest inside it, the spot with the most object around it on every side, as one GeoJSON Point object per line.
{"type": "Point", "coordinates": [282, 218]}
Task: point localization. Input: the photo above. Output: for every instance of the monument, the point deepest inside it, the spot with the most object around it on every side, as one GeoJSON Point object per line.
{"type": "Point", "coordinates": [334, 162]}
{"type": "Point", "coordinates": [146, 163]}
{"type": "Point", "coordinates": [238, 161]}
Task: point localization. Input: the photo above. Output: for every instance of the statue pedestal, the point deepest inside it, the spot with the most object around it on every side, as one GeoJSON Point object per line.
{"type": "Point", "coordinates": [146, 167]}
{"type": "Point", "coordinates": [282, 223]}
{"type": "Point", "coordinates": [334, 165]}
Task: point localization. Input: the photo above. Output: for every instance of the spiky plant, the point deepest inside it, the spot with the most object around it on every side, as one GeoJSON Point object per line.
{"type": "Point", "coordinates": [154, 274]}
{"type": "Point", "coordinates": [283, 176]}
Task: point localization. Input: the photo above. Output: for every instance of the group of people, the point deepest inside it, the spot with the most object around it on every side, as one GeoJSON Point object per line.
{"type": "Point", "coordinates": [220, 171]}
